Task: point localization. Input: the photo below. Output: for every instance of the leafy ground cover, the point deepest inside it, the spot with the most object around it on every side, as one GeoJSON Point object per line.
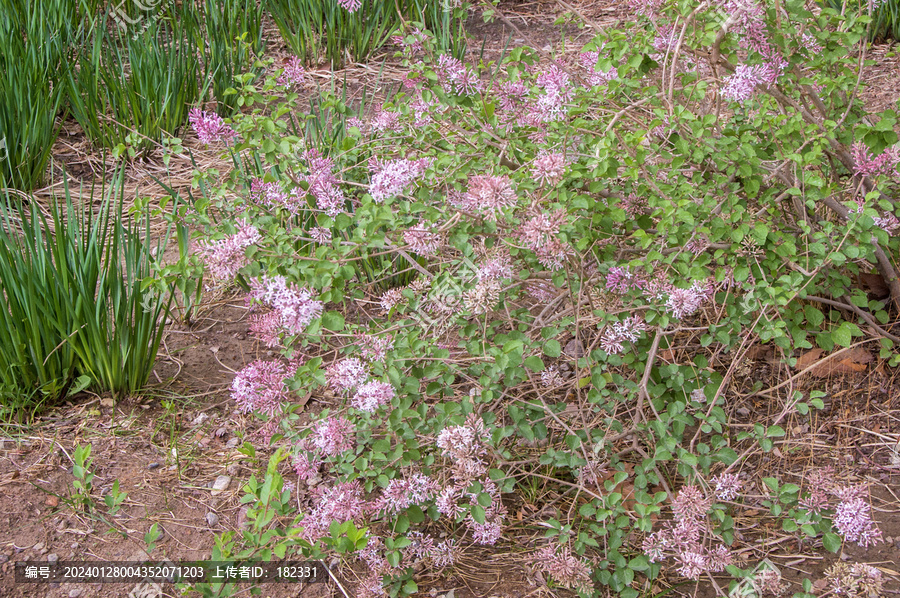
{"type": "Point", "coordinates": [614, 318]}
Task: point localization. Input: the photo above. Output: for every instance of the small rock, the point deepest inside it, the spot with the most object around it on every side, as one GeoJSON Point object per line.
{"type": "Point", "coordinates": [154, 465]}
{"type": "Point", "coordinates": [233, 469]}
{"type": "Point", "coordinates": [242, 517]}
{"type": "Point", "coordinates": [107, 402]}
{"type": "Point", "coordinates": [3, 558]}
{"type": "Point", "coordinates": [76, 593]}
{"type": "Point", "coordinates": [75, 546]}
{"type": "Point", "coordinates": [200, 419]}
{"type": "Point", "coordinates": [52, 557]}
{"type": "Point", "coordinates": [52, 501]}
{"type": "Point", "coordinates": [38, 547]}
{"type": "Point", "coordinates": [574, 348]}
{"type": "Point", "coordinates": [233, 442]}
{"type": "Point", "coordinates": [743, 411]}
{"type": "Point", "coordinates": [212, 519]}
{"type": "Point", "coordinates": [220, 485]}
{"type": "Point", "coordinates": [62, 525]}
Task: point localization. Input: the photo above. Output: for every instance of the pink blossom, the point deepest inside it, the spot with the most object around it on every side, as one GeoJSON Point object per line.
{"type": "Point", "coordinates": [628, 330]}
{"type": "Point", "coordinates": [684, 302]}
{"type": "Point", "coordinates": [496, 267]}
{"type": "Point", "coordinates": [548, 169]}
{"type": "Point", "coordinates": [226, 256]}
{"type": "Point", "coordinates": [565, 568]}
{"type": "Point", "coordinates": [728, 486]}
{"type": "Point", "coordinates": [391, 298]}
{"type": "Point", "coordinates": [386, 121]}
{"type": "Point", "coordinates": [346, 374]}
{"type": "Point", "coordinates": [390, 179]}
{"type": "Point", "coordinates": [621, 280]}
{"type": "Point", "coordinates": [490, 194]}
{"type": "Point", "coordinates": [402, 493]}
{"type": "Point", "coordinates": [293, 73]}
{"type": "Point", "coordinates": [333, 436]}
{"type": "Point", "coordinates": [350, 5]}
{"type": "Point", "coordinates": [374, 348]}
{"type": "Point", "coordinates": [691, 503]}
{"type": "Point", "coordinates": [340, 502]}
{"type": "Point", "coordinates": [304, 466]}
{"type": "Point", "coordinates": [421, 240]}
{"type": "Point", "coordinates": [455, 77]}
{"type": "Point", "coordinates": [741, 85]}
{"type": "Point", "coordinates": [866, 164]}
{"type": "Point", "coordinates": [209, 126]}
{"type": "Point", "coordinates": [853, 521]}
{"type": "Point", "coordinates": [320, 235]}
{"type": "Point", "coordinates": [260, 387]}
{"type": "Point", "coordinates": [372, 395]}
{"type": "Point", "coordinates": [295, 306]}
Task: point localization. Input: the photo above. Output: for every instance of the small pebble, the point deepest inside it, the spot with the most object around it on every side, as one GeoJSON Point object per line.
{"type": "Point", "coordinates": [75, 546]}
{"type": "Point", "coordinates": [76, 593]}
{"type": "Point", "coordinates": [153, 465]}
{"type": "Point", "coordinates": [212, 519]}
{"type": "Point", "coordinates": [3, 558]}
{"type": "Point", "coordinates": [37, 547]}
{"type": "Point", "coordinates": [220, 485]}
{"type": "Point", "coordinates": [52, 557]}
{"type": "Point", "coordinates": [233, 442]}
{"type": "Point", "coordinates": [233, 469]}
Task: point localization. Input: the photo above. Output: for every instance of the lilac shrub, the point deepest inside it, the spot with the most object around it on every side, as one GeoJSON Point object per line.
{"type": "Point", "coordinates": [486, 284]}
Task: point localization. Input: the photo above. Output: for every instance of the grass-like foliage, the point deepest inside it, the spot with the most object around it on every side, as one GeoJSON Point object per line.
{"type": "Point", "coordinates": [75, 300]}
{"type": "Point", "coordinates": [34, 40]}
{"type": "Point", "coordinates": [326, 32]}
{"type": "Point", "coordinates": [884, 14]}
{"type": "Point", "coordinates": [233, 35]}
{"type": "Point", "coordinates": [139, 85]}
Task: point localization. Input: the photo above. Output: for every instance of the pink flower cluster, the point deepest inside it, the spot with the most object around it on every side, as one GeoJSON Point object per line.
{"type": "Point", "coordinates": [332, 436]}
{"type": "Point", "coordinates": [728, 486]}
{"type": "Point", "coordinates": [564, 567]}
{"type": "Point", "coordinates": [209, 126]}
{"type": "Point", "coordinates": [683, 537]}
{"type": "Point", "coordinates": [496, 266]}
{"type": "Point", "coordinates": [489, 194]}
{"type": "Point", "coordinates": [421, 240]}
{"type": "Point", "coordinates": [346, 374]}
{"type": "Point", "coordinates": [385, 120]}
{"type": "Point", "coordinates": [225, 257]}
{"type": "Point", "coordinates": [350, 6]}
{"type": "Point", "coordinates": [548, 169]}
{"type": "Point", "coordinates": [852, 515]}
{"type": "Point", "coordinates": [293, 73]}
{"type": "Point", "coordinates": [595, 76]}
{"type": "Point", "coordinates": [455, 77]}
{"type": "Point", "coordinates": [741, 85]}
{"type": "Point", "coordinates": [339, 502]}
{"type": "Point", "coordinates": [627, 331]}
{"type": "Point", "coordinates": [260, 387]}
{"type": "Point", "coordinates": [271, 195]}
{"type": "Point", "coordinates": [466, 447]}
{"type": "Point", "coordinates": [402, 493]}
{"type": "Point", "coordinates": [294, 306]}
{"type": "Point", "coordinates": [374, 348]}
{"type": "Point", "coordinates": [539, 234]}
{"type": "Point", "coordinates": [622, 280]}
{"type": "Point", "coordinates": [684, 302]}
{"type": "Point", "coordinates": [391, 178]}
{"type": "Point", "coordinates": [866, 164]}
{"type": "Point", "coordinates": [323, 185]}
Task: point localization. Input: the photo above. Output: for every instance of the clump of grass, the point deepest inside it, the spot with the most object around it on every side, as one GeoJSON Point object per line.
{"type": "Point", "coordinates": [75, 302]}
{"type": "Point", "coordinates": [140, 85]}
{"type": "Point", "coordinates": [326, 32]}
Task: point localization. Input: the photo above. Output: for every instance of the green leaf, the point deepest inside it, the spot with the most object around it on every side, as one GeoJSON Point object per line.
{"type": "Point", "coordinates": [333, 321]}
{"type": "Point", "coordinates": [552, 348]}
{"type": "Point", "coordinates": [534, 363]}
{"type": "Point", "coordinates": [832, 542]}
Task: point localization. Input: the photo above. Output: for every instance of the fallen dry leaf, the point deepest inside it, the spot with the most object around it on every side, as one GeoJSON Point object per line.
{"type": "Point", "coordinates": [808, 358]}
